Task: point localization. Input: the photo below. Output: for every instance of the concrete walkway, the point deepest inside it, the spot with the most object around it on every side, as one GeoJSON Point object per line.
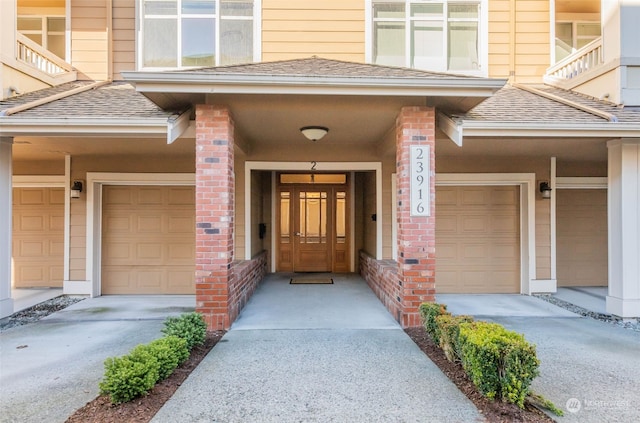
{"type": "Point", "coordinates": [589, 369]}
{"type": "Point", "coordinates": [317, 353]}
{"type": "Point", "coordinates": [50, 368]}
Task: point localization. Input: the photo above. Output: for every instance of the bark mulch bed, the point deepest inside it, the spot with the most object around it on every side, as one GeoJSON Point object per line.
{"type": "Point", "coordinates": [493, 411]}
{"type": "Point", "coordinates": [140, 410]}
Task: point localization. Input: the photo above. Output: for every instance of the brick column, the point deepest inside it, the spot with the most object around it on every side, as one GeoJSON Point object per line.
{"type": "Point", "coordinates": [215, 187]}
{"type": "Point", "coordinates": [416, 234]}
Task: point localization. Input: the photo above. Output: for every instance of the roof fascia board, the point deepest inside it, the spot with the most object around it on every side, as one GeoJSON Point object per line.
{"type": "Point", "coordinates": [525, 129]}
{"type": "Point", "coordinates": [209, 83]}
{"type": "Point", "coordinates": [403, 91]}
{"type": "Point", "coordinates": [451, 128]}
{"type": "Point", "coordinates": [176, 126]}
{"type": "Point", "coordinates": [56, 127]}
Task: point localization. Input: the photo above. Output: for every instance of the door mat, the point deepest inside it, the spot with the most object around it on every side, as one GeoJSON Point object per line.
{"type": "Point", "coordinates": [308, 280]}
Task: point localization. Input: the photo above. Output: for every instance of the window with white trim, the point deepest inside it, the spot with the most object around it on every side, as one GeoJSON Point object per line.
{"type": "Point", "coordinates": [437, 35]}
{"type": "Point", "coordinates": [197, 33]}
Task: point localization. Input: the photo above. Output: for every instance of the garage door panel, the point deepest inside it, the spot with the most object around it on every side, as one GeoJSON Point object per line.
{"type": "Point", "coordinates": [157, 226]}
{"type": "Point", "coordinates": [181, 224]}
{"type": "Point", "coordinates": [149, 223]}
{"type": "Point", "coordinates": [474, 224]}
{"type": "Point", "coordinates": [474, 197]}
{"type": "Point", "coordinates": [504, 223]}
{"type": "Point", "coordinates": [480, 253]}
{"type": "Point", "coordinates": [151, 196]}
{"type": "Point", "coordinates": [582, 240]}
{"type": "Point", "coordinates": [114, 196]}
{"type": "Point", "coordinates": [506, 197]}
{"type": "Point", "coordinates": [179, 196]}
{"type": "Point", "coordinates": [38, 237]}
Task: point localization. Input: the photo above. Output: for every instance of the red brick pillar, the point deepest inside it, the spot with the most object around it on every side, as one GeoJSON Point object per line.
{"type": "Point", "coordinates": [215, 187]}
{"type": "Point", "coordinates": [415, 126]}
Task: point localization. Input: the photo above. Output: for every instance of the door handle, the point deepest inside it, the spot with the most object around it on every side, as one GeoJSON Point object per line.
{"type": "Point", "coordinates": [298, 234]}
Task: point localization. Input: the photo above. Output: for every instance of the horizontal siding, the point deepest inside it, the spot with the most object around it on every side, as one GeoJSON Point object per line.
{"type": "Point", "coordinates": [528, 57]}
{"type": "Point", "coordinates": [332, 29]}
{"type": "Point", "coordinates": [124, 46]}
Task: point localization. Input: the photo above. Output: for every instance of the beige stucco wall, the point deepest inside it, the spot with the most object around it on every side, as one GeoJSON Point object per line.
{"type": "Point", "coordinates": [330, 28]}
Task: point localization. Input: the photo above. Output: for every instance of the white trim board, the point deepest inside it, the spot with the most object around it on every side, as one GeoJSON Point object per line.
{"type": "Point", "coordinates": [95, 182]}
{"type": "Point", "coordinates": [305, 166]}
{"type": "Point", "coordinates": [527, 184]}
{"type": "Point", "coordinates": [581, 182]}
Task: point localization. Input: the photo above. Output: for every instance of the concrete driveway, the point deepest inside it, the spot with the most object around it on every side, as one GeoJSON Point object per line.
{"type": "Point", "coordinates": [50, 368]}
{"type": "Point", "coordinates": [589, 369]}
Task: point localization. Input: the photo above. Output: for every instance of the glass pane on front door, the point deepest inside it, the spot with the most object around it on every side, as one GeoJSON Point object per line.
{"type": "Point", "coordinates": [313, 217]}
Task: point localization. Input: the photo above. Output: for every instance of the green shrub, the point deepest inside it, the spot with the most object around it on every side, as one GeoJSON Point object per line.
{"type": "Point", "coordinates": [449, 332]}
{"type": "Point", "coordinates": [189, 326]}
{"type": "Point", "coordinates": [170, 352]}
{"type": "Point", "coordinates": [129, 376]}
{"type": "Point", "coordinates": [429, 312]}
{"type": "Point", "coordinates": [498, 361]}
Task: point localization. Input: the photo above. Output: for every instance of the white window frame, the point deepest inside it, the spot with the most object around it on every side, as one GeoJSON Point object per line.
{"type": "Point", "coordinates": [483, 56]}
{"type": "Point", "coordinates": [257, 33]}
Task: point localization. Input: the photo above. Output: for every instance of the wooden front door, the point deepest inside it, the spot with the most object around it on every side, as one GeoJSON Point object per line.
{"type": "Point", "coordinates": [313, 229]}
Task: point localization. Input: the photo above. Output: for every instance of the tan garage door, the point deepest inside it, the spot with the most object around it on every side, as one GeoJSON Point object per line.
{"type": "Point", "coordinates": [38, 237]}
{"type": "Point", "coordinates": [477, 239]}
{"type": "Point", "coordinates": [148, 240]}
{"type": "Point", "coordinates": [581, 222]}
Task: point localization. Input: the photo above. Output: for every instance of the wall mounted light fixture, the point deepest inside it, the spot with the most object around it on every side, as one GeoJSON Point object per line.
{"type": "Point", "coordinates": [76, 189]}
{"type": "Point", "coordinates": [314, 133]}
{"type": "Point", "coordinates": [545, 189]}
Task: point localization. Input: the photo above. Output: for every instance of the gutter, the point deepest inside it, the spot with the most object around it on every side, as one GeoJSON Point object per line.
{"type": "Point", "coordinates": [608, 116]}
{"type": "Point", "coordinates": [30, 105]}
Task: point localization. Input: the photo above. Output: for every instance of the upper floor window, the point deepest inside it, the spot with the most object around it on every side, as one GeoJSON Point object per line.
{"type": "Point", "coordinates": [48, 31]}
{"type": "Point", "coordinates": [197, 33]}
{"type": "Point", "coordinates": [437, 35]}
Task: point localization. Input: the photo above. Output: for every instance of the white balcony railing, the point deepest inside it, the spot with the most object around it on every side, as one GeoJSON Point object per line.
{"type": "Point", "coordinates": [36, 56]}
{"type": "Point", "coordinates": [587, 58]}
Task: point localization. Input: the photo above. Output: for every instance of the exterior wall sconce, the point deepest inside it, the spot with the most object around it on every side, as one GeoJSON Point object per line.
{"type": "Point", "coordinates": [545, 189]}
{"type": "Point", "coordinates": [76, 189]}
{"type": "Point", "coordinates": [314, 133]}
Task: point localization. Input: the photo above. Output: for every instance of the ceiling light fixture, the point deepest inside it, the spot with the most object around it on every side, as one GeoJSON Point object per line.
{"type": "Point", "coordinates": [314, 133]}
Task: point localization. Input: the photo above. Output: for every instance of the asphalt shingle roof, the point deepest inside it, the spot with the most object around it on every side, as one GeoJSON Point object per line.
{"type": "Point", "coordinates": [320, 67]}
{"type": "Point", "coordinates": [512, 104]}
{"type": "Point", "coordinates": [112, 101]}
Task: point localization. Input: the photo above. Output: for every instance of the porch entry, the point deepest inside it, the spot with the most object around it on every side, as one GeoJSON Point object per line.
{"type": "Point", "coordinates": [313, 223]}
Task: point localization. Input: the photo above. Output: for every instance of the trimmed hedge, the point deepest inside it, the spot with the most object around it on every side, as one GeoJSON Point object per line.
{"type": "Point", "coordinates": [189, 326]}
{"type": "Point", "coordinates": [498, 361]}
{"type": "Point", "coordinates": [136, 373]}
{"type": "Point", "coordinates": [449, 330]}
{"type": "Point", "coordinates": [429, 312]}
{"type": "Point", "coordinates": [501, 363]}
{"type": "Point", "coordinates": [129, 376]}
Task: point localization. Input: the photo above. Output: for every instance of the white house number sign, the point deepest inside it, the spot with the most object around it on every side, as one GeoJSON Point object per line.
{"type": "Point", "coordinates": [419, 185]}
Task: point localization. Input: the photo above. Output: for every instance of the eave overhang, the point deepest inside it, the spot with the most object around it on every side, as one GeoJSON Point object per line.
{"type": "Point", "coordinates": [460, 94]}
{"type": "Point", "coordinates": [16, 126]}
{"type": "Point", "coordinates": [457, 129]}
